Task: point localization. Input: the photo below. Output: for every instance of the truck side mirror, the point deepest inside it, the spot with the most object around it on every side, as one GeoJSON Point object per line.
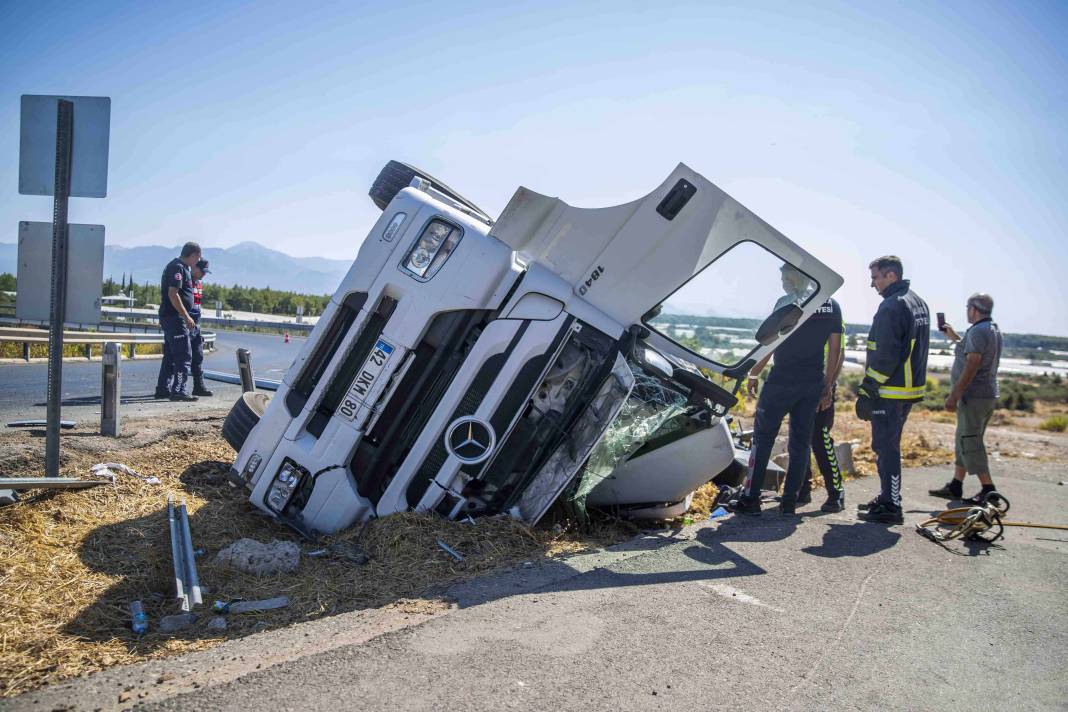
{"type": "Point", "coordinates": [782, 321]}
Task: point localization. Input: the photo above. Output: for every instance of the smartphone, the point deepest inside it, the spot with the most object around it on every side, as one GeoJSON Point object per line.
{"type": "Point", "coordinates": [941, 321]}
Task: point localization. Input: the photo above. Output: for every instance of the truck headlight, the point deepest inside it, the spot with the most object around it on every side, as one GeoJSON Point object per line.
{"type": "Point", "coordinates": [283, 486]}
{"type": "Point", "coordinates": [435, 244]}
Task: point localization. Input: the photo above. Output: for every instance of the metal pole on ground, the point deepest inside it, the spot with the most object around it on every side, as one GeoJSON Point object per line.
{"type": "Point", "coordinates": [64, 137]}
{"type": "Point", "coordinates": [110, 389]}
{"type": "Point", "coordinates": [244, 368]}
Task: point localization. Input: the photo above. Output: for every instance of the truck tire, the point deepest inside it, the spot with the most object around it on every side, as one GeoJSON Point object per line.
{"type": "Point", "coordinates": [397, 176]}
{"type": "Point", "coordinates": [243, 417]}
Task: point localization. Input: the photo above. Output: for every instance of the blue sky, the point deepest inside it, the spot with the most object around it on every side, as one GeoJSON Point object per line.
{"type": "Point", "coordinates": [933, 131]}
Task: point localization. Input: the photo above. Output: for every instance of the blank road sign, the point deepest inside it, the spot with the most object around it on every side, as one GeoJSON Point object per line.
{"type": "Point", "coordinates": [85, 273]}
{"type": "Point", "coordinates": [89, 153]}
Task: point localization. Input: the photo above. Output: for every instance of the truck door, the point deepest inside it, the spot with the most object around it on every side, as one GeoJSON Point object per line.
{"type": "Point", "coordinates": [714, 284]}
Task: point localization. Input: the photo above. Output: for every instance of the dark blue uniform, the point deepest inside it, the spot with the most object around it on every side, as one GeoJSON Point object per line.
{"type": "Point", "coordinates": [895, 378]}
{"type": "Point", "coordinates": [177, 339]}
{"type": "Point", "coordinates": [793, 387]}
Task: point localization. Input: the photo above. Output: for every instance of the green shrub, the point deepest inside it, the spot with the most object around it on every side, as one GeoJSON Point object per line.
{"type": "Point", "coordinates": [1017, 395]}
{"type": "Point", "coordinates": [1056, 424]}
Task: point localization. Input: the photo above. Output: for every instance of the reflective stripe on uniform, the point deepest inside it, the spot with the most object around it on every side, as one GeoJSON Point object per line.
{"type": "Point", "coordinates": [908, 365]}
{"type": "Point", "coordinates": [898, 393]}
{"type": "Point", "coordinates": [871, 345]}
{"type": "Point", "coordinates": [877, 376]}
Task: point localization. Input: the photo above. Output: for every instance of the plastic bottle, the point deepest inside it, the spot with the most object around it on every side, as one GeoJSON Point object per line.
{"type": "Point", "coordinates": [138, 619]}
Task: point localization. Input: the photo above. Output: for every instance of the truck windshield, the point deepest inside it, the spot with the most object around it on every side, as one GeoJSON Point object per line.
{"type": "Point", "coordinates": [717, 313]}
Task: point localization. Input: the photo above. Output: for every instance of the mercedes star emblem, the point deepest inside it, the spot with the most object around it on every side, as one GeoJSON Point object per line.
{"type": "Point", "coordinates": [470, 440]}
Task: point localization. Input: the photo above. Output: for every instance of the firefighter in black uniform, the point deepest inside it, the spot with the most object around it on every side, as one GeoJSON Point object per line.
{"type": "Point", "coordinates": [895, 377]}
{"type": "Point", "coordinates": [197, 340]}
{"type": "Point", "coordinates": [797, 385]}
{"type": "Point", "coordinates": [176, 303]}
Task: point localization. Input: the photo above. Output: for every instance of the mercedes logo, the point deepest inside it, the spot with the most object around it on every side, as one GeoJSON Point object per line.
{"type": "Point", "coordinates": [470, 440]}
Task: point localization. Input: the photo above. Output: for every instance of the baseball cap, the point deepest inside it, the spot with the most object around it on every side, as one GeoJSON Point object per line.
{"type": "Point", "coordinates": [203, 265]}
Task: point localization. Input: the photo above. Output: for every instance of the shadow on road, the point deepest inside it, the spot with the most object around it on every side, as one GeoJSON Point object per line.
{"type": "Point", "coordinates": [95, 400]}
{"type": "Point", "coordinates": [856, 539]}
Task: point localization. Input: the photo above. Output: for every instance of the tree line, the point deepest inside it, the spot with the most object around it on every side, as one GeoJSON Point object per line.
{"type": "Point", "coordinates": [235, 298]}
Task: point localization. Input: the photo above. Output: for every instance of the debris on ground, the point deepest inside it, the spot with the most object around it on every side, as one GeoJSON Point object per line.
{"type": "Point", "coordinates": [450, 551]}
{"type": "Point", "coordinates": [253, 557]}
{"type": "Point", "coordinates": [240, 606]}
{"type": "Point", "coordinates": [177, 622]}
{"type": "Point", "coordinates": [217, 623]}
{"type": "Point", "coordinates": [112, 470]}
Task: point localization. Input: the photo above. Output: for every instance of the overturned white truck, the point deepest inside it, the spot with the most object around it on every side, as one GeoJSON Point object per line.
{"type": "Point", "coordinates": [472, 367]}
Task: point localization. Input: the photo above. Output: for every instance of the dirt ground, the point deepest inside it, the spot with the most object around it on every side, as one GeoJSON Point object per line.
{"type": "Point", "coordinates": [70, 564]}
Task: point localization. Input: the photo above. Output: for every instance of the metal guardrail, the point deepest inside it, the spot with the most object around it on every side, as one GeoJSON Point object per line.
{"type": "Point", "coordinates": [28, 336]}
{"type": "Point", "coordinates": [220, 322]}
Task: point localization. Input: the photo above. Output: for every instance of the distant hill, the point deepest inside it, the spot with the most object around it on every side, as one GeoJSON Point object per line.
{"type": "Point", "coordinates": [249, 264]}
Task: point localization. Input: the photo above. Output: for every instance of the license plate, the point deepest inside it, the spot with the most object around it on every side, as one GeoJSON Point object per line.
{"type": "Point", "coordinates": [361, 386]}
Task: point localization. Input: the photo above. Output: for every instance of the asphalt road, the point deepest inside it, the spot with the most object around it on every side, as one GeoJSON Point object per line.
{"type": "Point", "coordinates": [24, 386]}
{"type": "Point", "coordinates": [821, 612]}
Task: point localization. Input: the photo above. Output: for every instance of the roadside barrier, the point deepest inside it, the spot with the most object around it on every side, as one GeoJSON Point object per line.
{"type": "Point", "coordinates": [89, 339]}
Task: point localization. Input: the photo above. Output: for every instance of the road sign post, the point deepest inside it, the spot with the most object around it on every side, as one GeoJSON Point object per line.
{"type": "Point", "coordinates": [41, 157]}
{"type": "Point", "coordinates": [64, 131]}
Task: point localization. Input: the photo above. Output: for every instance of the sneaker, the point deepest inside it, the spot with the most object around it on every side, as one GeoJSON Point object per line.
{"type": "Point", "coordinates": [183, 397]}
{"type": "Point", "coordinates": [161, 395]}
{"type": "Point", "coordinates": [865, 506]}
{"type": "Point", "coordinates": [885, 513]}
{"type": "Point", "coordinates": [947, 491]}
{"type": "Point", "coordinates": [745, 505]}
{"type": "Point", "coordinates": [787, 508]}
{"type": "Point", "coordinates": [834, 503]}
{"type": "Point", "coordinates": [201, 390]}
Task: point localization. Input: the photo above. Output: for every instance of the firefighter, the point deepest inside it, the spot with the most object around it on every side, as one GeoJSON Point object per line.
{"type": "Point", "coordinates": [176, 321]}
{"type": "Point", "coordinates": [797, 385]}
{"type": "Point", "coordinates": [895, 377]}
{"type": "Point", "coordinates": [199, 389]}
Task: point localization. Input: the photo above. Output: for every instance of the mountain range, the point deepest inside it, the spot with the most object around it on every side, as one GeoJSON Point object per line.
{"type": "Point", "coordinates": [248, 264]}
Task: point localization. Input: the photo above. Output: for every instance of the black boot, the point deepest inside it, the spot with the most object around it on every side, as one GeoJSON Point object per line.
{"type": "Point", "coordinates": [199, 389]}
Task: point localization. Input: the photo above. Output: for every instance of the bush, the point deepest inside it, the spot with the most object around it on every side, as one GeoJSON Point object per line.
{"type": "Point", "coordinates": [1017, 395]}
{"type": "Point", "coordinates": [1056, 424]}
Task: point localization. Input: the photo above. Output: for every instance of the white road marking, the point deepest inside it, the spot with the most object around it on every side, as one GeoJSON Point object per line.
{"type": "Point", "coordinates": [734, 594]}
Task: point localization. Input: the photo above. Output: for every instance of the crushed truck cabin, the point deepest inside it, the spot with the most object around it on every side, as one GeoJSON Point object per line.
{"type": "Point", "coordinates": [471, 367]}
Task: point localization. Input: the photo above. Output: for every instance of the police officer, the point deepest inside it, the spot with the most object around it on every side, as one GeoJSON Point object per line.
{"type": "Point", "coordinates": [197, 340]}
{"type": "Point", "coordinates": [823, 446]}
{"type": "Point", "coordinates": [895, 377]}
{"type": "Point", "coordinates": [797, 385]}
{"type": "Point", "coordinates": [176, 303]}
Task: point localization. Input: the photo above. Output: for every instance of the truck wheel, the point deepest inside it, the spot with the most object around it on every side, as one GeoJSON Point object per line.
{"type": "Point", "coordinates": [243, 417]}
{"type": "Point", "coordinates": [397, 176]}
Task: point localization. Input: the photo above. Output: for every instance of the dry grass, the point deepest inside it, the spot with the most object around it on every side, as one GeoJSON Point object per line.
{"type": "Point", "coordinates": [72, 563]}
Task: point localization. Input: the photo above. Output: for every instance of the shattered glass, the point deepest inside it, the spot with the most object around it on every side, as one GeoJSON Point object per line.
{"type": "Point", "coordinates": [568, 457]}
{"type": "Point", "coordinates": [650, 408]}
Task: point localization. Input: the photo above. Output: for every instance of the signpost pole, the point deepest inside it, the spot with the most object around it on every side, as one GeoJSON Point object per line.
{"type": "Point", "coordinates": [64, 140]}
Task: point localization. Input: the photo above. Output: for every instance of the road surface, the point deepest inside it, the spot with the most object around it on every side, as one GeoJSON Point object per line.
{"type": "Point", "coordinates": [24, 386]}
{"type": "Point", "coordinates": [822, 612]}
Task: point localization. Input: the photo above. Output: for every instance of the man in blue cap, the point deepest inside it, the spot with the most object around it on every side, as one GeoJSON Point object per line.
{"type": "Point", "coordinates": [177, 324]}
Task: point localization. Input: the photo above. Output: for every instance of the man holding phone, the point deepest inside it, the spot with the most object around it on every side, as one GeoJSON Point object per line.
{"type": "Point", "coordinates": [973, 395]}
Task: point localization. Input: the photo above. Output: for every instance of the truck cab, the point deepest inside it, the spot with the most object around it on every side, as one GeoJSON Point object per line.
{"type": "Point", "coordinates": [473, 367]}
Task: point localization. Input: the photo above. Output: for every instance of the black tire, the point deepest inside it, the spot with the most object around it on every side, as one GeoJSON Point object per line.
{"type": "Point", "coordinates": [397, 176]}
{"type": "Point", "coordinates": [243, 417]}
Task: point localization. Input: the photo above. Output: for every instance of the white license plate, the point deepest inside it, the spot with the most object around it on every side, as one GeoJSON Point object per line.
{"type": "Point", "coordinates": [361, 386]}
